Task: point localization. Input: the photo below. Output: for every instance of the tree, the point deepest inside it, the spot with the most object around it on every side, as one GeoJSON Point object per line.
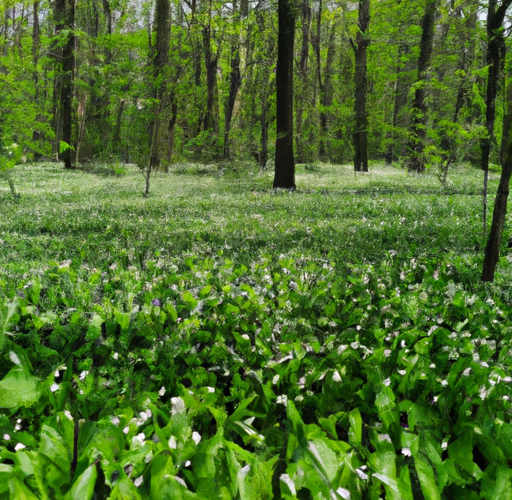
{"type": "Point", "coordinates": [416, 161]}
{"type": "Point", "coordinates": [495, 58]}
{"type": "Point", "coordinates": [361, 82]}
{"type": "Point", "coordinates": [492, 249]}
{"type": "Point", "coordinates": [285, 163]}
{"type": "Point", "coordinates": [64, 17]}
{"type": "Point", "coordinates": [159, 62]}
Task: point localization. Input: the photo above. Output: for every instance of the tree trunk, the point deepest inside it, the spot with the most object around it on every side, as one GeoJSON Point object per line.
{"type": "Point", "coordinates": [211, 119]}
{"type": "Point", "coordinates": [160, 59]}
{"type": "Point", "coordinates": [285, 164]}
{"type": "Point", "coordinates": [64, 16]}
{"type": "Point", "coordinates": [495, 59]}
{"type": "Point", "coordinates": [416, 161]}
{"type": "Point", "coordinates": [361, 84]}
{"type": "Point", "coordinates": [492, 250]}
{"type": "Point", "coordinates": [235, 81]}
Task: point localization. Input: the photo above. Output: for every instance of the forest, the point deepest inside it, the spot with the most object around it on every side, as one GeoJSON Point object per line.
{"type": "Point", "coordinates": [254, 250]}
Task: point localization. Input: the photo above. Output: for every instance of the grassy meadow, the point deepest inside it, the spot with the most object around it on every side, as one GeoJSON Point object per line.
{"type": "Point", "coordinates": [223, 340]}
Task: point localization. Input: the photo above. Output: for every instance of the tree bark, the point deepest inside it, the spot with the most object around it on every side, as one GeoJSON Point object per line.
{"type": "Point", "coordinates": [160, 59]}
{"type": "Point", "coordinates": [416, 161]}
{"type": "Point", "coordinates": [361, 84]}
{"type": "Point", "coordinates": [235, 81]}
{"type": "Point", "coordinates": [495, 59]}
{"type": "Point", "coordinates": [284, 176]}
{"type": "Point", "coordinates": [492, 249]}
{"type": "Point", "coordinates": [64, 16]}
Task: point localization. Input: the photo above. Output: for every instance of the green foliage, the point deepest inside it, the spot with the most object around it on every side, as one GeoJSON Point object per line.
{"type": "Point", "coordinates": [188, 348]}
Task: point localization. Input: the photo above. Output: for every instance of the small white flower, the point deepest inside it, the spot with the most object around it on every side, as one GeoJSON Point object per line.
{"type": "Point", "coordinates": [116, 355]}
{"type": "Point", "coordinates": [336, 377]}
{"type": "Point", "coordinates": [7, 437]}
{"type": "Point", "coordinates": [507, 379]}
{"type": "Point", "coordinates": [406, 452]}
{"type": "Point", "coordinates": [211, 389]}
{"type": "Point", "coordinates": [178, 405]}
{"type": "Point", "coordinates": [14, 358]}
{"type": "Point", "coordinates": [115, 420]}
{"type": "Point", "coordinates": [83, 375]}
{"type": "Point", "coordinates": [126, 430]}
{"type": "Point", "coordinates": [387, 382]}
{"type": "Point", "coordinates": [196, 437]}
{"type": "Point", "coordinates": [19, 446]}
{"type": "Point", "coordinates": [506, 398]}
{"type": "Point", "coordinates": [139, 439]}
{"type": "Point", "coordinates": [138, 481]}
{"type": "Point", "coordinates": [387, 353]}
{"type": "Point", "coordinates": [361, 474]}
{"type": "Point", "coordinates": [188, 463]}
{"type": "Point", "coordinates": [68, 415]}
{"type": "Point", "coordinates": [432, 365]}
{"type": "Point", "coordinates": [282, 400]}
{"type": "Point", "coordinates": [54, 387]}
{"type": "Point", "coordinates": [444, 383]}
{"type": "Point", "coordinates": [180, 480]}
{"type": "Point", "coordinates": [161, 392]}
{"type": "Point", "coordinates": [275, 380]}
{"type": "Point", "coordinates": [402, 372]}
{"type": "Point", "coordinates": [172, 443]}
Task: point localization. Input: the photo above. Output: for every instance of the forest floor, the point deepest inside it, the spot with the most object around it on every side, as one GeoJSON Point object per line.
{"type": "Point", "coordinates": [338, 336]}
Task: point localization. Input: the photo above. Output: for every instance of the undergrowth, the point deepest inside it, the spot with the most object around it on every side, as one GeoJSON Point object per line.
{"type": "Point", "coordinates": [222, 340]}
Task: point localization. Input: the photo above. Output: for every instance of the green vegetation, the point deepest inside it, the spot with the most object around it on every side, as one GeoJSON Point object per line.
{"type": "Point", "coordinates": [223, 340]}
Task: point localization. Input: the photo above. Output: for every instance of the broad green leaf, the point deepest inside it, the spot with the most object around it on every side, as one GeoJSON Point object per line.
{"type": "Point", "coordinates": [19, 491]}
{"type": "Point", "coordinates": [461, 451]}
{"type": "Point", "coordinates": [124, 490]}
{"type": "Point", "coordinates": [356, 427]}
{"type": "Point", "coordinates": [496, 484]}
{"type": "Point", "coordinates": [83, 488]}
{"type": "Point", "coordinates": [427, 478]}
{"type": "Point", "coordinates": [19, 388]}
{"type": "Point", "coordinates": [255, 480]}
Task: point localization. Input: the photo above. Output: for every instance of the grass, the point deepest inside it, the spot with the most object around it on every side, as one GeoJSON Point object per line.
{"type": "Point", "coordinates": [89, 217]}
{"type": "Point", "coordinates": [330, 341]}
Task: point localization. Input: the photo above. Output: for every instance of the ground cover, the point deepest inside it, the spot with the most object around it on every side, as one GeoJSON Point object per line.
{"type": "Point", "coordinates": [223, 340]}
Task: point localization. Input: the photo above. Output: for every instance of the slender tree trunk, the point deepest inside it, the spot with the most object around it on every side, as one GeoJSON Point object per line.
{"type": "Point", "coordinates": [326, 91]}
{"type": "Point", "coordinates": [495, 59]}
{"type": "Point", "coordinates": [303, 83]}
{"type": "Point", "coordinates": [235, 81]}
{"type": "Point", "coordinates": [416, 161]}
{"type": "Point", "coordinates": [160, 59]}
{"type": "Point", "coordinates": [285, 164]}
{"type": "Point", "coordinates": [399, 100]}
{"type": "Point", "coordinates": [492, 250]}
{"type": "Point", "coordinates": [361, 84]}
{"type": "Point", "coordinates": [67, 22]}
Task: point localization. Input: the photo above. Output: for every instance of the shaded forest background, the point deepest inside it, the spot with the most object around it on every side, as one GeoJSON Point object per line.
{"type": "Point", "coordinates": [194, 80]}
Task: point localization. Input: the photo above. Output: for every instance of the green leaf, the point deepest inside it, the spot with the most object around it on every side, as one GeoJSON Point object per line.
{"type": "Point", "coordinates": [356, 427]}
{"type": "Point", "coordinates": [84, 486]}
{"type": "Point", "coordinates": [461, 452]}
{"type": "Point", "coordinates": [19, 388]}
{"type": "Point", "coordinates": [19, 491]}
{"type": "Point", "coordinates": [427, 478]}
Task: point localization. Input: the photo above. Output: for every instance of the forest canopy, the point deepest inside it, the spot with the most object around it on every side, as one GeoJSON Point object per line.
{"type": "Point", "coordinates": [196, 80]}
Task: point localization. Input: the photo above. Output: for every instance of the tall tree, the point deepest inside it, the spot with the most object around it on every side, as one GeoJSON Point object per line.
{"type": "Point", "coordinates": [495, 58]}
{"type": "Point", "coordinates": [159, 62]}
{"type": "Point", "coordinates": [361, 83]}
{"type": "Point", "coordinates": [284, 176]}
{"type": "Point", "coordinates": [416, 161]}
{"type": "Point", "coordinates": [235, 79]}
{"type": "Point", "coordinates": [492, 249]}
{"type": "Point", "coordinates": [64, 18]}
